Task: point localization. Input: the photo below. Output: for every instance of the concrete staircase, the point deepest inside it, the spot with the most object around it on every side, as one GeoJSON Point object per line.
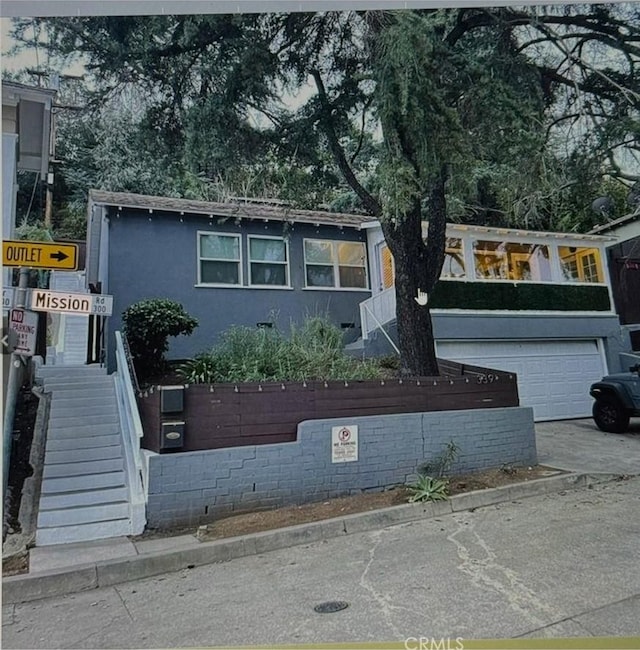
{"type": "Point", "coordinates": [84, 493]}
{"type": "Point", "coordinates": [71, 348]}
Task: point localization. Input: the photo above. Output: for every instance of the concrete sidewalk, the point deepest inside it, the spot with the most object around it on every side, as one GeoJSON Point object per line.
{"type": "Point", "coordinates": [576, 446]}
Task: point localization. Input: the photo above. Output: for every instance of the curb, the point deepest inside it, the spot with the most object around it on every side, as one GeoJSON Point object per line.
{"type": "Point", "coordinates": [28, 587]}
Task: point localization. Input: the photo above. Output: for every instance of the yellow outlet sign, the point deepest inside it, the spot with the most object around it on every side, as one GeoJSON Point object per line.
{"type": "Point", "coordinates": [40, 255]}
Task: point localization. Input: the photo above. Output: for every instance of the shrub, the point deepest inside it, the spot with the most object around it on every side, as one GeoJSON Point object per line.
{"type": "Point", "coordinates": [312, 351]}
{"type": "Point", "coordinates": [148, 324]}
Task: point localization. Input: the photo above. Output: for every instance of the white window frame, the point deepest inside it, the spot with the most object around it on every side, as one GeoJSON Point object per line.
{"type": "Point", "coordinates": [286, 264]}
{"type": "Point", "coordinates": [336, 264]}
{"type": "Point", "coordinates": [240, 263]}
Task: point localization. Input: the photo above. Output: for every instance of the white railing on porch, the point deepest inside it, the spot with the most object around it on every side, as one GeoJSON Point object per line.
{"type": "Point", "coordinates": [131, 435]}
{"type": "Point", "coordinates": [377, 311]}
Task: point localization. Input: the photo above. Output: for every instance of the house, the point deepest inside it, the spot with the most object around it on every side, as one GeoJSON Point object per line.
{"type": "Point", "coordinates": [538, 304]}
{"type": "Point", "coordinates": [246, 263]}
{"type": "Point", "coordinates": [535, 303]}
{"type": "Point", "coordinates": [623, 256]}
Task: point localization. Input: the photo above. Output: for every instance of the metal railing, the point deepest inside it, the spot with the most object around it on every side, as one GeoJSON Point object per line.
{"type": "Point", "coordinates": [131, 434]}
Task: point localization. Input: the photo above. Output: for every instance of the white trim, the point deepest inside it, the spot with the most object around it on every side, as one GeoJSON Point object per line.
{"type": "Point", "coordinates": [355, 289]}
{"type": "Point", "coordinates": [238, 236]}
{"type": "Point", "coordinates": [259, 287]}
{"type": "Point", "coordinates": [525, 313]}
{"type": "Point", "coordinates": [336, 264]}
{"type": "Point", "coordinates": [286, 263]}
{"type": "Point", "coordinates": [603, 356]}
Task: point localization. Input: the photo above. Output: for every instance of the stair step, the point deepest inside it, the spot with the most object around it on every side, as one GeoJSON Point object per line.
{"type": "Point", "coordinates": [78, 483]}
{"type": "Point", "coordinates": [77, 392]}
{"type": "Point", "coordinates": [106, 411]}
{"type": "Point", "coordinates": [46, 372]}
{"type": "Point", "coordinates": [64, 402]}
{"type": "Point", "coordinates": [74, 455]}
{"type": "Point", "coordinates": [86, 468]}
{"type": "Point", "coordinates": [82, 532]}
{"type": "Point", "coordinates": [62, 421]}
{"type": "Point", "coordinates": [90, 442]}
{"type": "Point", "coordinates": [82, 431]}
{"type": "Point", "coordinates": [90, 498]}
{"type": "Point", "coordinates": [83, 515]}
{"type": "Point", "coordinates": [97, 381]}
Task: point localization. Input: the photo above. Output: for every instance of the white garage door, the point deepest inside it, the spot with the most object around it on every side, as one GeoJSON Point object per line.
{"type": "Point", "coordinates": [553, 376]}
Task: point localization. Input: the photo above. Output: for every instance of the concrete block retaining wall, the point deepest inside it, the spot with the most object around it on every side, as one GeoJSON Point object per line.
{"type": "Point", "coordinates": [196, 487]}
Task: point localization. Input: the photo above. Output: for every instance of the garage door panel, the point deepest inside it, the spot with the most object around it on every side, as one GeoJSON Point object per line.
{"type": "Point", "coordinates": [553, 376]}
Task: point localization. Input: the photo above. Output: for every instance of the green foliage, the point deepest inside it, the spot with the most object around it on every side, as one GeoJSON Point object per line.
{"type": "Point", "coordinates": [313, 351]}
{"type": "Point", "coordinates": [452, 294]}
{"type": "Point", "coordinates": [148, 324]}
{"type": "Point", "coordinates": [441, 465]}
{"type": "Point", "coordinates": [430, 484]}
{"type": "Point", "coordinates": [427, 488]}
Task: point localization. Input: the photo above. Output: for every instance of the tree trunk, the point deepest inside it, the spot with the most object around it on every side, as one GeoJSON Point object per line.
{"type": "Point", "coordinates": [417, 268]}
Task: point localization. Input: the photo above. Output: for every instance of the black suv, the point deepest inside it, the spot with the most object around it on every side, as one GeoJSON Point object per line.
{"type": "Point", "coordinates": [617, 400]}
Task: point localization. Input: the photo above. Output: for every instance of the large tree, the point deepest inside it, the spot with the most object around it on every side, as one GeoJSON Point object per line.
{"type": "Point", "coordinates": [485, 114]}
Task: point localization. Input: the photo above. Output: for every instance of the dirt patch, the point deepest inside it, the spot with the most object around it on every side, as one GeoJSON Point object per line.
{"type": "Point", "coordinates": [254, 522]}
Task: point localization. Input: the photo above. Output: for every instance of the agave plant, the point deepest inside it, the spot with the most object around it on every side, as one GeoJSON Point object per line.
{"type": "Point", "coordinates": [427, 488]}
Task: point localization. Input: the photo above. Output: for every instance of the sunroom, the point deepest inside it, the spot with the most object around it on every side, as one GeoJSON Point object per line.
{"type": "Point", "coordinates": [535, 303]}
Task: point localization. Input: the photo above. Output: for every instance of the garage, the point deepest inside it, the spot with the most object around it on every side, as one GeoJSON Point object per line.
{"type": "Point", "coordinates": [553, 376]}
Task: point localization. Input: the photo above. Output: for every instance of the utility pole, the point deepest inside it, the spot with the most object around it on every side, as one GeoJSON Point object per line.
{"type": "Point", "coordinates": [13, 386]}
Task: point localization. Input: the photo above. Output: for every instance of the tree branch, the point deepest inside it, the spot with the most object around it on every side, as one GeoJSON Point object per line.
{"type": "Point", "coordinates": [370, 203]}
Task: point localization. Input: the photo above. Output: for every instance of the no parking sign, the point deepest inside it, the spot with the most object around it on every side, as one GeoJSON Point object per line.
{"type": "Point", "coordinates": [344, 444]}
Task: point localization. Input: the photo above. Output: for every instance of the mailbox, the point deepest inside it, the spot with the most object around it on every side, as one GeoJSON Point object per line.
{"type": "Point", "coordinates": [171, 399]}
{"type": "Point", "coordinates": [171, 435]}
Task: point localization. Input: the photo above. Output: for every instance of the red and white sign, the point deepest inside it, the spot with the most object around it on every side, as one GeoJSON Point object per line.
{"type": "Point", "coordinates": [25, 325]}
{"type": "Point", "coordinates": [344, 444]}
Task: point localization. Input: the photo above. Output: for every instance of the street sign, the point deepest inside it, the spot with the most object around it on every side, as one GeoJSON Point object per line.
{"type": "Point", "coordinates": [8, 296]}
{"type": "Point", "coordinates": [40, 255]}
{"type": "Point", "coordinates": [71, 303]}
{"type": "Point", "coordinates": [344, 444]}
{"type": "Point", "coordinates": [25, 325]}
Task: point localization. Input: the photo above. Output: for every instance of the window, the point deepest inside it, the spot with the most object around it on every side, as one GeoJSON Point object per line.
{"type": "Point", "coordinates": [268, 262]}
{"type": "Point", "coordinates": [219, 259]}
{"type": "Point", "coordinates": [335, 264]}
{"type": "Point", "coordinates": [580, 264]}
{"type": "Point", "coordinates": [453, 266]}
{"type": "Point", "coordinates": [512, 261]}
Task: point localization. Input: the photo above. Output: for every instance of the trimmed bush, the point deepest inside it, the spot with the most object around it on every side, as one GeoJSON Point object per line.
{"type": "Point", "coordinates": [148, 324]}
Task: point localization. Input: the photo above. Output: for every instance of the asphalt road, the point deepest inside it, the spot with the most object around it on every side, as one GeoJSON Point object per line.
{"type": "Point", "coordinates": [561, 565]}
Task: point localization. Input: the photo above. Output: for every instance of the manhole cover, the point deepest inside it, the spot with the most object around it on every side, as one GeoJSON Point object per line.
{"type": "Point", "coordinates": [331, 606]}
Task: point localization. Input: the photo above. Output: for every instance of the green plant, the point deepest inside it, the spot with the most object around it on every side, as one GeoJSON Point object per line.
{"type": "Point", "coordinates": [440, 465]}
{"type": "Point", "coordinates": [427, 488]}
{"type": "Point", "coordinates": [148, 324]}
{"type": "Point", "coordinates": [311, 351]}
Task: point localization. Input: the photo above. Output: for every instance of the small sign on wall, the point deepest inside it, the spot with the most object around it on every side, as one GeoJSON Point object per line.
{"type": "Point", "coordinates": [344, 444]}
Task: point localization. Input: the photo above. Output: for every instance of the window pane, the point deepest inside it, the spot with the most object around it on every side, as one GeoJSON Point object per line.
{"type": "Point", "coordinates": [320, 276]}
{"type": "Point", "coordinates": [220, 247]}
{"type": "Point", "coordinates": [219, 272]}
{"type": "Point", "coordinates": [318, 252]}
{"type": "Point", "coordinates": [275, 274]}
{"type": "Point", "coordinates": [351, 253]}
{"type": "Point", "coordinates": [528, 262]}
{"type": "Point", "coordinates": [490, 260]}
{"type": "Point", "coordinates": [267, 250]}
{"type": "Point", "coordinates": [580, 264]}
{"type": "Point", "coordinates": [353, 276]}
{"type": "Point", "coordinates": [453, 266]}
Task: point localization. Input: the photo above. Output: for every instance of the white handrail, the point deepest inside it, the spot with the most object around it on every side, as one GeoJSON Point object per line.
{"type": "Point", "coordinates": [132, 433]}
{"type": "Point", "coordinates": [380, 308]}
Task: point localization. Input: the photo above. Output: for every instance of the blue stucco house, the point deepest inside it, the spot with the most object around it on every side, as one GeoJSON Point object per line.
{"type": "Point", "coordinates": [536, 303]}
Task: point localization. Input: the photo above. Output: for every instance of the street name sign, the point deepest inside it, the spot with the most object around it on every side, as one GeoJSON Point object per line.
{"type": "Point", "coordinates": [71, 303]}
{"type": "Point", "coordinates": [40, 255]}
{"type": "Point", "coordinates": [25, 325]}
{"type": "Point", "coordinates": [8, 296]}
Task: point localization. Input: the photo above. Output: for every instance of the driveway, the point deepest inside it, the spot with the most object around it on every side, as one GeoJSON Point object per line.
{"type": "Point", "coordinates": [580, 446]}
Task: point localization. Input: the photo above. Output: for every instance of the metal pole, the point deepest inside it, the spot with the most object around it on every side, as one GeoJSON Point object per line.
{"type": "Point", "coordinates": [13, 386]}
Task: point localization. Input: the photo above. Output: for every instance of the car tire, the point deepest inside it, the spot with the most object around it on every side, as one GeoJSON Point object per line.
{"type": "Point", "coordinates": [610, 416]}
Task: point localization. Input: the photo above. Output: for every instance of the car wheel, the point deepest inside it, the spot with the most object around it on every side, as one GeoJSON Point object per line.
{"type": "Point", "coordinates": [610, 416]}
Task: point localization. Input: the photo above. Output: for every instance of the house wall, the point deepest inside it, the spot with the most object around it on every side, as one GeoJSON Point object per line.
{"type": "Point", "coordinates": [624, 268]}
{"type": "Point", "coordinates": [196, 487]}
{"type": "Point", "coordinates": [450, 325]}
{"type": "Point", "coordinates": [154, 255]}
